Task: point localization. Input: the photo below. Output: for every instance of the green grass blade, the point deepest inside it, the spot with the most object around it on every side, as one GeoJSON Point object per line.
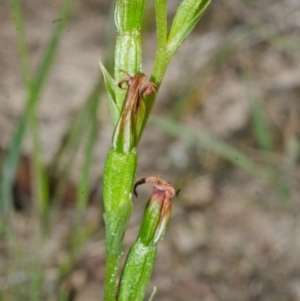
{"type": "Point", "coordinates": [83, 185]}
{"type": "Point", "coordinates": [222, 149]}
{"type": "Point", "coordinates": [38, 172]}
{"type": "Point", "coordinates": [9, 167]}
{"type": "Point", "coordinates": [52, 47]}
{"type": "Point", "coordinates": [62, 161]}
{"type": "Point", "coordinates": [12, 157]}
{"type": "Point", "coordinates": [70, 143]}
{"type": "Point", "coordinates": [264, 138]}
{"type": "Point", "coordinates": [261, 129]}
{"type": "Point", "coordinates": [17, 17]}
{"type": "Point", "coordinates": [42, 73]}
{"type": "Point", "coordinates": [36, 282]}
{"type": "Point", "coordinates": [267, 173]}
{"type": "Point", "coordinates": [40, 182]}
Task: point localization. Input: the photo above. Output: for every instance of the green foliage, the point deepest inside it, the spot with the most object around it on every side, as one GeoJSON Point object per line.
{"type": "Point", "coordinates": [128, 50]}
{"type": "Point", "coordinates": [111, 89]}
{"type": "Point", "coordinates": [119, 170]}
{"type": "Point", "coordinates": [118, 180]}
{"type": "Point", "coordinates": [140, 259]}
{"type": "Point", "coordinates": [23, 257]}
{"type": "Point", "coordinates": [83, 188]}
{"type": "Point", "coordinates": [260, 127]}
{"type": "Point", "coordinates": [187, 16]}
{"type": "Point", "coordinates": [34, 86]}
{"type": "Point", "coordinates": [137, 271]}
{"type": "Point", "coordinates": [120, 167]}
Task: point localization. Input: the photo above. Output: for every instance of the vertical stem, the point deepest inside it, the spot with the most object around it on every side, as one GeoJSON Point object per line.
{"type": "Point", "coordinates": [118, 180]}
{"type": "Point", "coordinates": [120, 167]}
{"type": "Point", "coordinates": [111, 274]}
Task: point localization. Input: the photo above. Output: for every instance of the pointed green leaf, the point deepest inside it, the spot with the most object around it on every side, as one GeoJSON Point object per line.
{"type": "Point", "coordinates": [187, 16]}
{"type": "Point", "coordinates": [111, 88]}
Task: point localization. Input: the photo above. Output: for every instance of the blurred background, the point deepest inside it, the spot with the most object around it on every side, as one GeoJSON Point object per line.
{"type": "Point", "coordinates": [225, 130]}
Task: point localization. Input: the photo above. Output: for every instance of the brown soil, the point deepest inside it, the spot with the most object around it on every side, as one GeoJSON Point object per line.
{"type": "Point", "coordinates": [231, 236]}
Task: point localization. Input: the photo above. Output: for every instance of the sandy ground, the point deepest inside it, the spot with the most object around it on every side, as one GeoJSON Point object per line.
{"type": "Point", "coordinates": [231, 237]}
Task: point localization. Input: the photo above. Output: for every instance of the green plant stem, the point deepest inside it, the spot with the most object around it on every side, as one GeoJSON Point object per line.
{"type": "Point", "coordinates": [121, 162]}
{"type": "Point", "coordinates": [140, 259]}
{"type": "Point", "coordinates": [139, 263]}
{"type": "Point", "coordinates": [120, 167]}
{"type": "Point", "coordinates": [118, 180]}
{"type": "Point", "coordinates": [128, 50]}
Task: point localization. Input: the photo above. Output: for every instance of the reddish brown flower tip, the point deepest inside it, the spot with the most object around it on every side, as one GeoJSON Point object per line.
{"type": "Point", "coordinates": [150, 88]}
{"type": "Point", "coordinates": [159, 185]}
{"type": "Point", "coordinates": [158, 209]}
{"type": "Point", "coordinates": [126, 133]}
